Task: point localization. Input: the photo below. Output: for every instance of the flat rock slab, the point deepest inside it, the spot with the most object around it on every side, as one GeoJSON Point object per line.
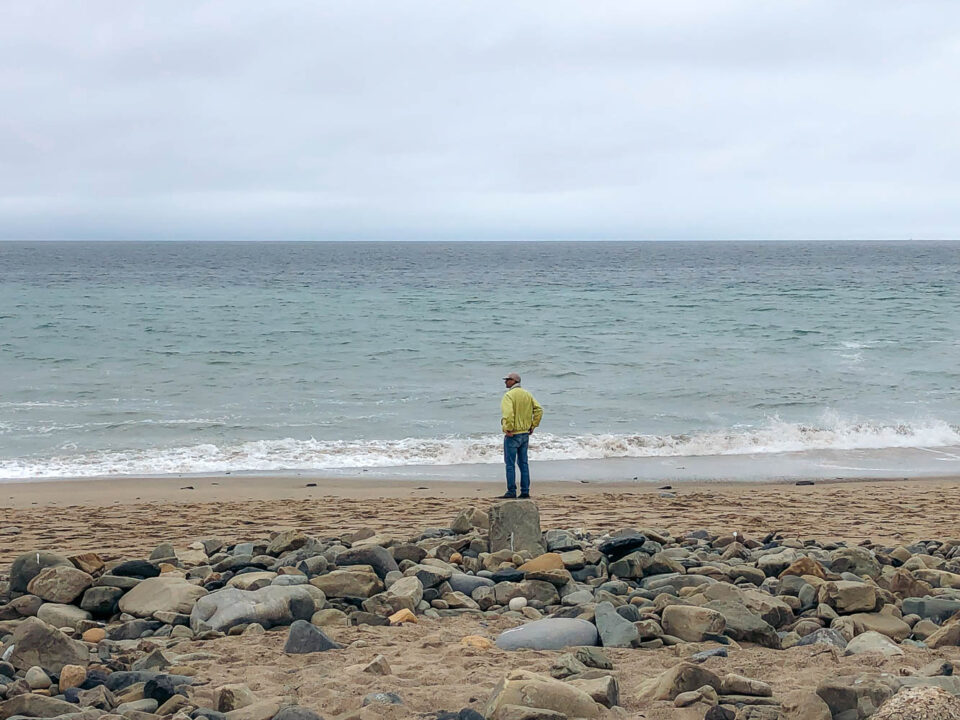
{"type": "Point", "coordinates": [549, 634]}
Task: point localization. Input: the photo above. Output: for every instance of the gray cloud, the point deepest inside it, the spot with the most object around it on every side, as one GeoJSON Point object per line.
{"type": "Point", "coordinates": [481, 120]}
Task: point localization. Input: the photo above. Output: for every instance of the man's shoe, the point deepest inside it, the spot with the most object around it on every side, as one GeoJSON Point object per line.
{"type": "Point", "coordinates": [524, 496]}
{"type": "Point", "coordinates": [508, 496]}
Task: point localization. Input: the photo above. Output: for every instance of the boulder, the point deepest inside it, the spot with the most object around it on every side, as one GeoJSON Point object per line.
{"type": "Point", "coordinates": [743, 625]}
{"type": "Point", "coordinates": [862, 694]}
{"type": "Point", "coordinates": [889, 625]}
{"type": "Point", "coordinates": [286, 541]}
{"type": "Point", "coordinates": [468, 519]}
{"type": "Point", "coordinates": [856, 560]}
{"type": "Point", "coordinates": [35, 706]}
{"type": "Point", "coordinates": [515, 526]}
{"type": "Point", "coordinates": [526, 689]}
{"type": "Point", "coordinates": [824, 636]}
{"type": "Point", "coordinates": [101, 600]}
{"type": "Point", "coordinates": [681, 678]}
{"type": "Point", "coordinates": [604, 689]}
{"type": "Point", "coordinates": [60, 615]}
{"type": "Point", "coordinates": [36, 643]}
{"type": "Point", "coordinates": [161, 594]}
{"type": "Point", "coordinates": [306, 638]}
{"type": "Point", "coordinates": [804, 705]}
{"type": "Point", "coordinates": [549, 634]}
{"type": "Point", "coordinates": [28, 566]}
{"type": "Point", "coordinates": [847, 596]}
{"type": "Point", "coordinates": [614, 629]}
{"type": "Point", "coordinates": [692, 624]}
{"type": "Point", "coordinates": [269, 606]}
{"type": "Point", "coordinates": [946, 636]}
{"type": "Point", "coordinates": [377, 557]}
{"type": "Point", "coordinates": [872, 642]}
{"type": "Point", "coordinates": [347, 583]}
{"type": "Point", "coordinates": [59, 584]}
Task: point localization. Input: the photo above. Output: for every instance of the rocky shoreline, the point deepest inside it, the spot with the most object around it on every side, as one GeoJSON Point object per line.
{"type": "Point", "coordinates": [87, 639]}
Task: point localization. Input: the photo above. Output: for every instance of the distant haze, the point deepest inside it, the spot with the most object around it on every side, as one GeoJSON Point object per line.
{"type": "Point", "coordinates": [479, 120]}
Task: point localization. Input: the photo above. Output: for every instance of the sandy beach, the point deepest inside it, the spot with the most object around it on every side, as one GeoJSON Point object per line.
{"type": "Point", "coordinates": [429, 666]}
{"type": "Point", "coordinates": [124, 516]}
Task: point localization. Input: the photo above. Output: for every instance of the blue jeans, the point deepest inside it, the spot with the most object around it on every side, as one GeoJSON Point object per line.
{"type": "Point", "coordinates": [515, 452]}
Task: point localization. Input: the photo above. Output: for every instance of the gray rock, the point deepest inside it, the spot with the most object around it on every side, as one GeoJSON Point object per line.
{"type": "Point", "coordinates": [36, 643]}
{"type": "Point", "coordinates": [35, 706]}
{"type": "Point", "coordinates": [28, 566]}
{"type": "Point", "coordinates": [381, 698]}
{"type": "Point", "coordinates": [295, 712]}
{"type": "Point", "coordinates": [375, 556]}
{"type": "Point", "coordinates": [59, 584]}
{"type": "Point", "coordinates": [824, 636]}
{"type": "Point", "coordinates": [161, 594]}
{"type": "Point", "coordinates": [872, 642]}
{"type": "Point", "coordinates": [614, 630]}
{"type": "Point", "coordinates": [745, 626]}
{"type": "Point", "coordinates": [515, 525]}
{"type": "Point", "coordinates": [269, 606]}
{"type": "Point", "coordinates": [460, 582]}
{"type": "Point", "coordinates": [549, 634]}
{"type": "Point", "coordinates": [133, 629]}
{"type": "Point", "coordinates": [856, 560]}
{"type": "Point", "coordinates": [101, 600]}
{"type": "Point", "coordinates": [561, 541]}
{"type": "Point", "coordinates": [938, 609]}
{"type": "Point", "coordinates": [61, 615]}
{"type": "Point", "coordinates": [306, 638]}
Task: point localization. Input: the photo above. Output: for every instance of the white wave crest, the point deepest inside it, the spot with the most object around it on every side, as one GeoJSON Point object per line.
{"type": "Point", "coordinates": [293, 454]}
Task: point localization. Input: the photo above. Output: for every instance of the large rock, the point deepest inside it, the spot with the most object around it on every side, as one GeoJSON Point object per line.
{"type": "Point", "coordinates": [269, 606]}
{"type": "Point", "coordinates": [36, 706]}
{"type": "Point", "coordinates": [347, 583]}
{"type": "Point", "coordinates": [872, 642]}
{"type": "Point", "coordinates": [377, 557]}
{"type": "Point", "coordinates": [745, 626]}
{"type": "Point", "coordinates": [59, 584]}
{"type": "Point", "coordinates": [614, 629]}
{"type": "Point", "coordinates": [804, 705]}
{"type": "Point", "coordinates": [306, 638]}
{"type": "Point", "coordinates": [846, 596]}
{"type": "Point", "coordinates": [549, 634]}
{"type": "Point", "coordinates": [161, 594]}
{"type": "Point", "coordinates": [526, 689]}
{"type": "Point", "coordinates": [690, 623]}
{"type": "Point", "coordinates": [938, 609]}
{"type": "Point", "coordinates": [947, 636]}
{"type": "Point", "coordinates": [889, 625]}
{"type": "Point", "coordinates": [101, 600]}
{"type": "Point", "coordinates": [36, 643]}
{"type": "Point", "coordinates": [470, 518]}
{"type": "Point", "coordinates": [922, 703]}
{"type": "Point", "coordinates": [27, 566]}
{"type": "Point", "coordinates": [62, 615]}
{"type": "Point", "coordinates": [862, 694]}
{"type": "Point", "coordinates": [856, 560]}
{"type": "Point", "coordinates": [515, 525]}
{"type": "Point", "coordinates": [681, 678]}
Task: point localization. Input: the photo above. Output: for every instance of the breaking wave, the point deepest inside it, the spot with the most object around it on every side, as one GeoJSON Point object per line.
{"type": "Point", "coordinates": [293, 454]}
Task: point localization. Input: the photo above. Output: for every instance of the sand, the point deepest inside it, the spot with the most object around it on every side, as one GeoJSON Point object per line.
{"type": "Point", "coordinates": [431, 669]}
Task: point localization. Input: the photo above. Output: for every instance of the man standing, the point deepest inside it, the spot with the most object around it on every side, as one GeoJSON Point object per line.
{"type": "Point", "coordinates": [521, 414]}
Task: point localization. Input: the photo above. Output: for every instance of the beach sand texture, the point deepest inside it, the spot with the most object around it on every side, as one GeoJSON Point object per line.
{"type": "Point", "coordinates": [429, 666]}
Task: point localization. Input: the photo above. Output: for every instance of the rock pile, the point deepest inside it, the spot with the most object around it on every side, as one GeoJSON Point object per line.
{"type": "Point", "coordinates": [71, 626]}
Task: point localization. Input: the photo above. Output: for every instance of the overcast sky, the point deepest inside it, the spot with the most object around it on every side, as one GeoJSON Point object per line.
{"type": "Point", "coordinates": [479, 120]}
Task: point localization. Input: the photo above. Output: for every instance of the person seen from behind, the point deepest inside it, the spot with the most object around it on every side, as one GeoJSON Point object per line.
{"type": "Point", "coordinates": [521, 414]}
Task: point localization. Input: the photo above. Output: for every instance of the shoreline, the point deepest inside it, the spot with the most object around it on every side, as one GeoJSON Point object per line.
{"type": "Point", "coordinates": [214, 487]}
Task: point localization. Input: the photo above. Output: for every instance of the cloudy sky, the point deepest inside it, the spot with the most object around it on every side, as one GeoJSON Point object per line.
{"type": "Point", "coordinates": [479, 120]}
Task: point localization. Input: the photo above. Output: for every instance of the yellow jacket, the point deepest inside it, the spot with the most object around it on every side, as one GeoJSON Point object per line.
{"type": "Point", "coordinates": [521, 412]}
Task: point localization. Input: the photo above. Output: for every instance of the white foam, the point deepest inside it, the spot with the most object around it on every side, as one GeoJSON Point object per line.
{"type": "Point", "coordinates": [292, 454]}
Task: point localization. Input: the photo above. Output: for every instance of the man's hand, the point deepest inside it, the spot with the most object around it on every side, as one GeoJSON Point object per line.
{"type": "Point", "coordinates": [508, 434]}
{"type": "Point", "coordinates": [531, 431]}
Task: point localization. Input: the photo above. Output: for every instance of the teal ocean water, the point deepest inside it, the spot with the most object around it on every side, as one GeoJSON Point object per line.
{"type": "Point", "coordinates": [148, 358]}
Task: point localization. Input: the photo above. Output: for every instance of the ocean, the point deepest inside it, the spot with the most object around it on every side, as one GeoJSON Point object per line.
{"type": "Point", "coordinates": [147, 358]}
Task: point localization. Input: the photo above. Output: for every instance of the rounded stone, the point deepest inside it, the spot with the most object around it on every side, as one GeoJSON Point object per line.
{"type": "Point", "coordinates": [518, 603]}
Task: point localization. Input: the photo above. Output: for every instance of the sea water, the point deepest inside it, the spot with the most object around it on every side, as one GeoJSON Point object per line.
{"type": "Point", "coordinates": [208, 357]}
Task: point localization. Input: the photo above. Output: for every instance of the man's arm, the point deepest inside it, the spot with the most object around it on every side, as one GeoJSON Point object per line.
{"type": "Point", "coordinates": [537, 413]}
{"type": "Point", "coordinates": [508, 421]}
